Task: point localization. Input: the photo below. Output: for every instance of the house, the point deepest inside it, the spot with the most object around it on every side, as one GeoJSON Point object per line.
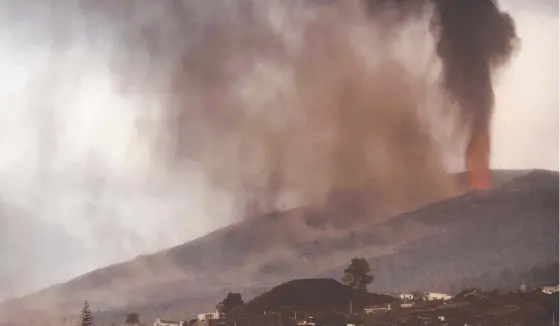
{"type": "Point", "coordinates": [406, 296]}
{"type": "Point", "coordinates": [377, 308]}
{"type": "Point", "coordinates": [162, 322]}
{"type": "Point", "coordinates": [437, 296]}
{"type": "Point", "coordinates": [548, 289]}
{"type": "Point", "coordinates": [310, 321]}
{"type": "Point", "coordinates": [209, 316]}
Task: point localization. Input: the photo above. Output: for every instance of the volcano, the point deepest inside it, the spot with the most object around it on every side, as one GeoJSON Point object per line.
{"type": "Point", "coordinates": [498, 235]}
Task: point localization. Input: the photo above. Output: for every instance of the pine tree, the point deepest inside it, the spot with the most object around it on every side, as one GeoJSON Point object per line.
{"type": "Point", "coordinates": [86, 319]}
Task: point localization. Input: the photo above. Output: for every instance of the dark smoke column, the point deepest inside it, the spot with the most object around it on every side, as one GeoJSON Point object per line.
{"type": "Point", "coordinates": [474, 38]}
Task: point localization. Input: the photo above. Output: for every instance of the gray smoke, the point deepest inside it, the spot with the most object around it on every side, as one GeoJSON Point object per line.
{"type": "Point", "coordinates": [280, 101]}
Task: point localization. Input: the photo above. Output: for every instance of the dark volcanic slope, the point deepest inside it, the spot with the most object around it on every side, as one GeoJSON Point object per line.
{"type": "Point", "coordinates": [512, 228]}
{"type": "Point", "coordinates": [312, 295]}
{"type": "Point", "coordinates": [506, 231]}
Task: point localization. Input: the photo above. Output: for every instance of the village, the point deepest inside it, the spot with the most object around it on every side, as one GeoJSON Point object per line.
{"type": "Point", "coordinates": [327, 302]}
{"type": "Point", "coordinates": [407, 309]}
{"type": "Point", "coordinates": [302, 317]}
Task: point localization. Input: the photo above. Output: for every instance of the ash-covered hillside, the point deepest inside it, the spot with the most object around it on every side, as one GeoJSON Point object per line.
{"type": "Point", "coordinates": [487, 235]}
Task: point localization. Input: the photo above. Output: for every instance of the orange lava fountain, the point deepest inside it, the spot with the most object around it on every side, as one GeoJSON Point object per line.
{"type": "Point", "coordinates": [478, 160]}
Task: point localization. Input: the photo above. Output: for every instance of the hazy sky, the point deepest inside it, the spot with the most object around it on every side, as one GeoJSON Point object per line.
{"type": "Point", "coordinates": [525, 128]}
{"type": "Point", "coordinates": [71, 158]}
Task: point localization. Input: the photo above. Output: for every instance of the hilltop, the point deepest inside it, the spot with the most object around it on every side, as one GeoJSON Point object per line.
{"type": "Point", "coordinates": [313, 295]}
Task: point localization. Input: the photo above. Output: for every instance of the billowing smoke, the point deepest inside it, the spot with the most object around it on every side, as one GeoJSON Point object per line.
{"type": "Point", "coordinates": [278, 103]}
{"type": "Point", "coordinates": [475, 38]}
{"type": "Point", "coordinates": [282, 103]}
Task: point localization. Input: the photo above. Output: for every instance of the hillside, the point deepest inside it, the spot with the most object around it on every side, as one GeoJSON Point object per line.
{"type": "Point", "coordinates": [485, 308]}
{"type": "Point", "coordinates": [514, 227]}
{"type": "Point", "coordinates": [312, 295]}
{"type": "Point", "coordinates": [23, 256]}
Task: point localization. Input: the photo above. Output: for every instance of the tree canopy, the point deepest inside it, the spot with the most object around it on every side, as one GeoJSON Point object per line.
{"type": "Point", "coordinates": [419, 296]}
{"type": "Point", "coordinates": [358, 274]}
{"type": "Point", "coordinates": [232, 301]}
{"type": "Point", "coordinates": [132, 319]}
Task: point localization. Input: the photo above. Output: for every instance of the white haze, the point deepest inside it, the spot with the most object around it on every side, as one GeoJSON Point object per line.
{"type": "Point", "coordinates": [71, 159]}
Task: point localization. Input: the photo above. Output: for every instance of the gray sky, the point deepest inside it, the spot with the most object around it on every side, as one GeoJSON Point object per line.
{"type": "Point", "coordinates": [72, 162]}
{"type": "Point", "coordinates": [525, 128]}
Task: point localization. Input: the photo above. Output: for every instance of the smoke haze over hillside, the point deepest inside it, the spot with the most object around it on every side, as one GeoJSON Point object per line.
{"type": "Point", "coordinates": [87, 141]}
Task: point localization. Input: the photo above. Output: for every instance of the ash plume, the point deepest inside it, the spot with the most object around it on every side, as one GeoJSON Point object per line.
{"type": "Point", "coordinates": [279, 103]}
{"type": "Point", "coordinates": [474, 39]}
{"type": "Point", "coordinates": [284, 103]}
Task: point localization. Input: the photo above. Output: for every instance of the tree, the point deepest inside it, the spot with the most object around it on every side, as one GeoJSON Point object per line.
{"type": "Point", "coordinates": [358, 274]}
{"type": "Point", "coordinates": [231, 302]}
{"type": "Point", "coordinates": [86, 319]}
{"type": "Point", "coordinates": [132, 319]}
{"type": "Point", "coordinates": [419, 296]}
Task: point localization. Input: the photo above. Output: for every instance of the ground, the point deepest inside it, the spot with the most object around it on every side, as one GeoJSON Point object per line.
{"type": "Point", "coordinates": [485, 308]}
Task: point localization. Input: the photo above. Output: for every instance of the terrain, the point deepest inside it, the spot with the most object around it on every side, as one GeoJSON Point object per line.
{"type": "Point", "coordinates": [329, 303]}
{"type": "Point", "coordinates": [482, 308]}
{"type": "Point", "coordinates": [510, 230]}
{"type": "Point", "coordinates": [312, 295]}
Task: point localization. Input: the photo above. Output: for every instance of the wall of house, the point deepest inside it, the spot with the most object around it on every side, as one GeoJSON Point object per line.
{"type": "Point", "coordinates": [406, 296]}
{"type": "Point", "coordinates": [209, 316]}
{"type": "Point", "coordinates": [159, 323]}
{"type": "Point", "coordinates": [438, 296]}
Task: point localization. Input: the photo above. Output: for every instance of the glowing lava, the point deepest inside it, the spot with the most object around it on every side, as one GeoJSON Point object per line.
{"type": "Point", "coordinates": [478, 160]}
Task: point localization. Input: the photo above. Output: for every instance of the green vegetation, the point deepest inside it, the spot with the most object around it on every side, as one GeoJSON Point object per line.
{"type": "Point", "coordinates": [358, 274]}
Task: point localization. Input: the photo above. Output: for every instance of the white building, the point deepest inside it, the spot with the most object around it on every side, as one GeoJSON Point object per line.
{"type": "Point", "coordinates": [161, 322]}
{"type": "Point", "coordinates": [549, 289]}
{"type": "Point", "coordinates": [376, 308]}
{"type": "Point", "coordinates": [209, 316]}
{"type": "Point", "coordinates": [406, 296]}
{"type": "Point", "coordinates": [438, 296]}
